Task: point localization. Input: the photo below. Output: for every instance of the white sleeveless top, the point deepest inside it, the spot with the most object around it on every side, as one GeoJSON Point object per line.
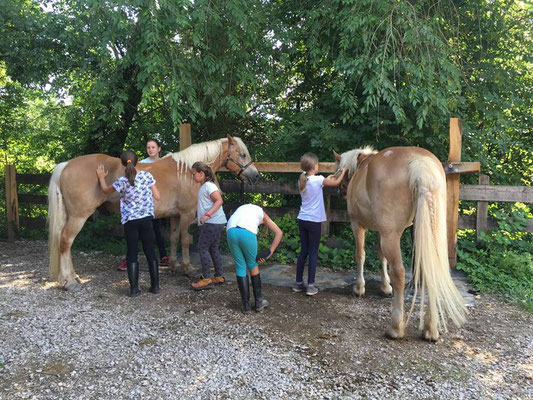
{"type": "Point", "coordinates": [312, 208]}
{"type": "Point", "coordinates": [247, 216]}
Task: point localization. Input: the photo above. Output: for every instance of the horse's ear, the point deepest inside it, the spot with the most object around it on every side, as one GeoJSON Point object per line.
{"type": "Point", "coordinates": [336, 155]}
{"type": "Point", "coordinates": [231, 140]}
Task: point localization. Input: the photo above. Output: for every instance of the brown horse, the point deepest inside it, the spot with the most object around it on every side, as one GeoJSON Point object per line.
{"type": "Point", "coordinates": [74, 194]}
{"type": "Point", "coordinates": [388, 191]}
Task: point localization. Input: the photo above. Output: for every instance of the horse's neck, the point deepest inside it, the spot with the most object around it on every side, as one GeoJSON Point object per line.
{"type": "Point", "coordinates": [221, 159]}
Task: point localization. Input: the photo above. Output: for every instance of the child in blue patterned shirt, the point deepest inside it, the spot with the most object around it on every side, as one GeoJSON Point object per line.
{"type": "Point", "coordinates": [137, 193]}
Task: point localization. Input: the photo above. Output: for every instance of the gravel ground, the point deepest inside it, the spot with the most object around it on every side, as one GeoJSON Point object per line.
{"type": "Point", "coordinates": [96, 343]}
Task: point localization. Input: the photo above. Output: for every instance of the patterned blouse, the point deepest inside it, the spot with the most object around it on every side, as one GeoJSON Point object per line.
{"type": "Point", "coordinates": [137, 201]}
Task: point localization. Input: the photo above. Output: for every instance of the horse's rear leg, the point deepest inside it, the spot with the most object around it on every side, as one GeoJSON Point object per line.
{"type": "Point", "coordinates": [359, 234]}
{"type": "Point", "coordinates": [390, 246]}
{"type": "Point", "coordinates": [386, 288]}
{"type": "Point", "coordinates": [174, 235]}
{"type": "Point", "coordinates": [67, 278]}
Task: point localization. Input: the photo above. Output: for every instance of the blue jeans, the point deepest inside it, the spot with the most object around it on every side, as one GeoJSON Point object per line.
{"type": "Point", "coordinates": [310, 233]}
{"type": "Point", "coordinates": [243, 246]}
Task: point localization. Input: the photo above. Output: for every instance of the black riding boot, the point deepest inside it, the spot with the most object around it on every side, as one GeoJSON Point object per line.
{"type": "Point", "coordinates": [260, 303]}
{"type": "Point", "coordinates": [133, 277]}
{"type": "Point", "coordinates": [244, 290]}
{"type": "Point", "coordinates": [153, 267]}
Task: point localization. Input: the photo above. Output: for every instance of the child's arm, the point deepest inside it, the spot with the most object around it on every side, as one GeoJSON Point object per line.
{"type": "Point", "coordinates": [155, 192]}
{"type": "Point", "coordinates": [217, 203]}
{"type": "Point", "coordinates": [278, 233]}
{"type": "Point", "coordinates": [333, 180]}
{"type": "Point", "coordinates": [101, 179]}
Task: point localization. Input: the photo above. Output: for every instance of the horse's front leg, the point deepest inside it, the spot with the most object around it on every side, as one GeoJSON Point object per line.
{"type": "Point", "coordinates": [174, 235]}
{"type": "Point", "coordinates": [359, 234]}
{"type": "Point", "coordinates": [390, 246]}
{"type": "Point", "coordinates": [385, 287]}
{"type": "Point", "coordinates": [186, 239]}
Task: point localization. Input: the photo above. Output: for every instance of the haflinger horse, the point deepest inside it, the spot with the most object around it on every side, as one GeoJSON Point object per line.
{"type": "Point", "coordinates": [388, 191]}
{"type": "Point", "coordinates": [74, 194]}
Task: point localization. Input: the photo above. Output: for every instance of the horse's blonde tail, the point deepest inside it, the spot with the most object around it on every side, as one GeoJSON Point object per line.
{"type": "Point", "coordinates": [431, 269]}
{"type": "Point", "coordinates": [57, 217]}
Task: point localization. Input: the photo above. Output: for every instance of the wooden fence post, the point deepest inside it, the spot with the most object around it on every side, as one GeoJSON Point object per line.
{"type": "Point", "coordinates": [185, 136]}
{"type": "Point", "coordinates": [452, 190]}
{"type": "Point", "coordinates": [326, 224]}
{"type": "Point", "coordinates": [12, 203]}
{"type": "Point", "coordinates": [482, 211]}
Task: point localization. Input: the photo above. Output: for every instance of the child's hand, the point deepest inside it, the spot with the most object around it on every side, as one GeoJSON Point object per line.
{"type": "Point", "coordinates": [203, 219]}
{"type": "Point", "coordinates": [263, 255]}
{"type": "Point", "coordinates": [101, 172]}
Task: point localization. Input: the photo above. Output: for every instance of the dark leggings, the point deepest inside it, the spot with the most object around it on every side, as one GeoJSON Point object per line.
{"type": "Point", "coordinates": [159, 239]}
{"type": "Point", "coordinates": [309, 239]}
{"type": "Point", "coordinates": [140, 229]}
{"type": "Point", "coordinates": [208, 243]}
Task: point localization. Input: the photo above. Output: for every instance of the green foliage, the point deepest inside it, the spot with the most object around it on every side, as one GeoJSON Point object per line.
{"type": "Point", "coordinates": [101, 234]}
{"type": "Point", "coordinates": [504, 264]}
{"type": "Point", "coordinates": [339, 257]}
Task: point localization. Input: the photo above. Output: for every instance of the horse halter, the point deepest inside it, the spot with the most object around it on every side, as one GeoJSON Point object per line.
{"type": "Point", "coordinates": [242, 168]}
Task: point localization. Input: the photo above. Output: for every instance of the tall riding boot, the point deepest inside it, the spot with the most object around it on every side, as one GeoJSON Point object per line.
{"type": "Point", "coordinates": [153, 267]}
{"type": "Point", "coordinates": [133, 277]}
{"type": "Point", "coordinates": [260, 303]}
{"type": "Point", "coordinates": [244, 290]}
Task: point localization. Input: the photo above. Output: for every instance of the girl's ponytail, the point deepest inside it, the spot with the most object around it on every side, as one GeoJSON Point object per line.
{"type": "Point", "coordinates": [302, 181]}
{"type": "Point", "coordinates": [129, 160]}
{"type": "Point", "coordinates": [307, 163]}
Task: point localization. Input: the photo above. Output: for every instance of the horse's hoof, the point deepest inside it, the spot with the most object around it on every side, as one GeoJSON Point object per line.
{"type": "Point", "coordinates": [358, 293]}
{"type": "Point", "coordinates": [387, 291]}
{"type": "Point", "coordinates": [72, 286]}
{"type": "Point", "coordinates": [394, 334]}
{"type": "Point", "coordinates": [430, 337]}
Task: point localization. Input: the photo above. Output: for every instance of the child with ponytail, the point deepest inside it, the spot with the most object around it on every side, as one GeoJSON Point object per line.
{"type": "Point", "coordinates": [312, 214]}
{"type": "Point", "coordinates": [211, 220]}
{"type": "Point", "coordinates": [137, 193]}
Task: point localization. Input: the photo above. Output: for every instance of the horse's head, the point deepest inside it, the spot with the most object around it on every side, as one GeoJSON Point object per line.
{"type": "Point", "coordinates": [239, 162]}
{"type": "Point", "coordinates": [351, 161]}
{"type": "Point", "coordinates": [343, 187]}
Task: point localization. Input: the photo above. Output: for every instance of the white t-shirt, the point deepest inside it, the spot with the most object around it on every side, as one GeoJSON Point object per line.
{"type": "Point", "coordinates": [205, 203]}
{"type": "Point", "coordinates": [147, 160]}
{"type": "Point", "coordinates": [312, 208]}
{"type": "Point", "coordinates": [247, 216]}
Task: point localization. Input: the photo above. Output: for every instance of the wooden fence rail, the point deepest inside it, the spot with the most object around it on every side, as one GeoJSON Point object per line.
{"type": "Point", "coordinates": [454, 167]}
{"type": "Point", "coordinates": [482, 193]}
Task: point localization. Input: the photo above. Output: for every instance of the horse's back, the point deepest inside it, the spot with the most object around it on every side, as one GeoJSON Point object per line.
{"type": "Point", "coordinates": [384, 195]}
{"type": "Point", "coordinates": [79, 182]}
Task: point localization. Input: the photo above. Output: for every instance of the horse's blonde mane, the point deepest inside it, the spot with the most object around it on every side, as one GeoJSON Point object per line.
{"type": "Point", "coordinates": [349, 159]}
{"type": "Point", "coordinates": [207, 152]}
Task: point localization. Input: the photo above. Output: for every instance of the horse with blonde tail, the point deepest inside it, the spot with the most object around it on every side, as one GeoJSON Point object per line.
{"type": "Point", "coordinates": [388, 191]}
{"type": "Point", "coordinates": [74, 194]}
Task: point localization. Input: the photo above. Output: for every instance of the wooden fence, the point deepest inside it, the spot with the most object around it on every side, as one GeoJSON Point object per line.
{"type": "Point", "coordinates": [483, 193]}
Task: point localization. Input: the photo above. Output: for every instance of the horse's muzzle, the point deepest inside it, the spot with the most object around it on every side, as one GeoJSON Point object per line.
{"type": "Point", "coordinates": [252, 176]}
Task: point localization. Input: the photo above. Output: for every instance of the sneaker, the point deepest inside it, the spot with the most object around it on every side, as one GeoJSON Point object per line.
{"type": "Point", "coordinates": [164, 261]}
{"type": "Point", "coordinates": [202, 284]}
{"type": "Point", "coordinates": [311, 290]}
{"type": "Point", "coordinates": [298, 287]}
{"type": "Point", "coordinates": [123, 265]}
{"type": "Point", "coordinates": [219, 280]}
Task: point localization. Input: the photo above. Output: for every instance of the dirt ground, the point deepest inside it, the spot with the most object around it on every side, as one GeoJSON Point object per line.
{"type": "Point", "coordinates": [490, 357]}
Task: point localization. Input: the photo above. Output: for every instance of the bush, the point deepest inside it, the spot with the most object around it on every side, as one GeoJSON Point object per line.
{"type": "Point", "coordinates": [503, 264]}
{"type": "Point", "coordinates": [337, 258]}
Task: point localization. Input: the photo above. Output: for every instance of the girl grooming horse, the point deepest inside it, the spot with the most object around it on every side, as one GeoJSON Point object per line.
{"type": "Point", "coordinates": [137, 194]}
